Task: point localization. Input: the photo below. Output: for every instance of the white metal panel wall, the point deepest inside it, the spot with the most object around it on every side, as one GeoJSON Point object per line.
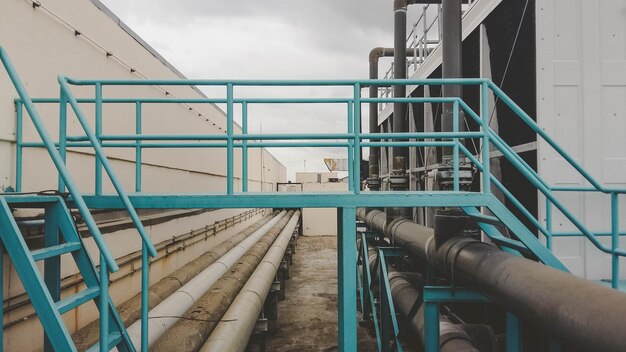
{"type": "Point", "coordinates": [581, 102]}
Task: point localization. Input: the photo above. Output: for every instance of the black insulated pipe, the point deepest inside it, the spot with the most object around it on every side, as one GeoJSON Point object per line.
{"type": "Point", "coordinates": [451, 58]}
{"type": "Point", "coordinates": [400, 121]}
{"type": "Point", "coordinates": [408, 302]}
{"type": "Point", "coordinates": [374, 155]}
{"type": "Point", "coordinates": [577, 313]}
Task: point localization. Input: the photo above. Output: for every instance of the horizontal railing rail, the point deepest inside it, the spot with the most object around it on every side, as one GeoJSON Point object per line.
{"type": "Point", "coordinates": [351, 139]}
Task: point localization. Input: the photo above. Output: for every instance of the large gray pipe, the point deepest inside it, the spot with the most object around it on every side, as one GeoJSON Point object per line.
{"type": "Point", "coordinates": [577, 313]}
{"type": "Point", "coordinates": [190, 332]}
{"type": "Point", "coordinates": [130, 311]}
{"type": "Point", "coordinates": [236, 326]}
{"type": "Point", "coordinates": [167, 313]}
{"type": "Point", "coordinates": [452, 337]}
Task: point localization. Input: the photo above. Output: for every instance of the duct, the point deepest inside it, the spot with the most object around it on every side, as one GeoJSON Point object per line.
{"type": "Point", "coordinates": [556, 302]}
{"type": "Point", "coordinates": [234, 331]}
{"type": "Point", "coordinates": [168, 312]}
{"type": "Point", "coordinates": [190, 332]}
{"type": "Point", "coordinates": [130, 311]}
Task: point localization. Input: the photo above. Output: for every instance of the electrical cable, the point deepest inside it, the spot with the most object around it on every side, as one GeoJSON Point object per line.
{"type": "Point", "coordinates": [38, 5]}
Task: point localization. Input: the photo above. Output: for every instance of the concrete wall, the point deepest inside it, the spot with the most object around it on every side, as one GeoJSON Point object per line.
{"type": "Point", "coordinates": [45, 47]}
{"type": "Point", "coordinates": [581, 86]}
{"type": "Point", "coordinates": [314, 177]}
{"type": "Point", "coordinates": [41, 47]}
{"type": "Point", "coordinates": [321, 221]}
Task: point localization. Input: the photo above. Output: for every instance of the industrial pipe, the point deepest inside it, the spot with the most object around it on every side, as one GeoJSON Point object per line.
{"type": "Point", "coordinates": [233, 332]}
{"type": "Point", "coordinates": [577, 313]}
{"type": "Point", "coordinates": [452, 47]}
{"type": "Point", "coordinates": [408, 302]}
{"type": "Point", "coordinates": [130, 311]}
{"type": "Point", "coordinates": [374, 156]}
{"type": "Point", "coordinates": [400, 121]}
{"type": "Point", "coordinates": [190, 332]}
{"type": "Point", "coordinates": [169, 311]}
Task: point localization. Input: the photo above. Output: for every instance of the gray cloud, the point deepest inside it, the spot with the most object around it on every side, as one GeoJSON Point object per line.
{"type": "Point", "coordinates": [270, 39]}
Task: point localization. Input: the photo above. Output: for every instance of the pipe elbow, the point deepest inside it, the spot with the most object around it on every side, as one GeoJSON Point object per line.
{"type": "Point", "coordinates": [379, 52]}
{"type": "Point", "coordinates": [401, 5]}
{"type": "Point", "coordinates": [376, 54]}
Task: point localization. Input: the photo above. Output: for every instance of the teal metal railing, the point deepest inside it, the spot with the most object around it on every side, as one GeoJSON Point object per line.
{"type": "Point", "coordinates": [352, 140]}
{"type": "Point", "coordinates": [57, 152]}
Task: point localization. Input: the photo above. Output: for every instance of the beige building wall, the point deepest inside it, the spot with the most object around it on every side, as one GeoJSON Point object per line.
{"type": "Point", "coordinates": [319, 221]}
{"type": "Point", "coordinates": [42, 46]}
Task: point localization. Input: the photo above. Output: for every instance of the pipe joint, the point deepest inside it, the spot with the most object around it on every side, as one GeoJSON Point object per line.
{"type": "Point", "coordinates": [402, 5]}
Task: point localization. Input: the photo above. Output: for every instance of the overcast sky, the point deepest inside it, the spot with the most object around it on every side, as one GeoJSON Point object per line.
{"type": "Point", "coordinates": [270, 39]}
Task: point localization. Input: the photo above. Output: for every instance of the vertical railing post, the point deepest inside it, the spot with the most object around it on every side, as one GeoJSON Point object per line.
{"type": "Point", "coordinates": [244, 148]}
{"type": "Point", "coordinates": [513, 338]}
{"type": "Point", "coordinates": [52, 266]}
{"type": "Point", "coordinates": [431, 326]}
{"type": "Point", "coordinates": [424, 34]}
{"type": "Point", "coordinates": [346, 247]}
{"type": "Point", "coordinates": [365, 306]}
{"type": "Point", "coordinates": [98, 106]}
{"type": "Point", "coordinates": [104, 305]}
{"type": "Point", "coordinates": [455, 149]}
{"type": "Point", "coordinates": [357, 139]}
{"type": "Point", "coordinates": [62, 135]}
{"type": "Point", "coordinates": [145, 283]}
{"type": "Point", "coordinates": [138, 149]}
{"type": "Point", "coordinates": [145, 257]}
{"type": "Point", "coordinates": [614, 240]}
{"type": "Point", "coordinates": [1, 293]}
{"type": "Point", "coordinates": [548, 224]}
{"type": "Point", "coordinates": [384, 304]}
{"type": "Point", "coordinates": [351, 142]}
{"type": "Point", "coordinates": [18, 145]}
{"type": "Point", "coordinates": [484, 115]}
{"type": "Point", "coordinates": [229, 134]}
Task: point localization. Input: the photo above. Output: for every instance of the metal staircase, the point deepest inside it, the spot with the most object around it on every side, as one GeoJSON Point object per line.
{"type": "Point", "coordinates": [61, 237]}
{"type": "Point", "coordinates": [490, 214]}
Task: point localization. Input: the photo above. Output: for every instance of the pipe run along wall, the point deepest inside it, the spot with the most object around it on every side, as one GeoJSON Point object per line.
{"type": "Point", "coordinates": [130, 311]}
{"type": "Point", "coordinates": [577, 313]}
{"type": "Point", "coordinates": [190, 332]}
{"type": "Point", "coordinates": [237, 324]}
{"type": "Point", "coordinates": [168, 312]}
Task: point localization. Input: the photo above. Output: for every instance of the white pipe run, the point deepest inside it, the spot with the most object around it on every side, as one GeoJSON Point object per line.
{"type": "Point", "coordinates": [167, 313]}
{"type": "Point", "coordinates": [236, 326]}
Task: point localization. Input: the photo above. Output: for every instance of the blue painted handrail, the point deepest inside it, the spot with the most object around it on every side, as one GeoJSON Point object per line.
{"type": "Point", "coordinates": [352, 139]}
{"type": "Point", "coordinates": [58, 161]}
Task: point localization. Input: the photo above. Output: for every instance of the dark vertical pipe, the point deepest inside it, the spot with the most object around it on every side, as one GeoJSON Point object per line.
{"type": "Point", "coordinates": [400, 122]}
{"type": "Point", "coordinates": [451, 66]}
{"type": "Point", "coordinates": [374, 169]}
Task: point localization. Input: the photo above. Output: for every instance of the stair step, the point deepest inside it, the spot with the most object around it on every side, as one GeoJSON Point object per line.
{"type": "Point", "coordinates": [507, 242]}
{"type": "Point", "coordinates": [480, 217]}
{"type": "Point", "coordinates": [71, 302]}
{"type": "Point", "coordinates": [54, 251]}
{"type": "Point", "coordinates": [115, 337]}
{"type": "Point", "coordinates": [30, 201]}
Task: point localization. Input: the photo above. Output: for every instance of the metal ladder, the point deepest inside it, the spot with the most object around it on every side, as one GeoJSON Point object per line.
{"type": "Point", "coordinates": [45, 292]}
{"type": "Point", "coordinates": [61, 237]}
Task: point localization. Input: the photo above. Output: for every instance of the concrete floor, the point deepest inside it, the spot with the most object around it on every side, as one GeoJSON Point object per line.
{"type": "Point", "coordinates": [307, 318]}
